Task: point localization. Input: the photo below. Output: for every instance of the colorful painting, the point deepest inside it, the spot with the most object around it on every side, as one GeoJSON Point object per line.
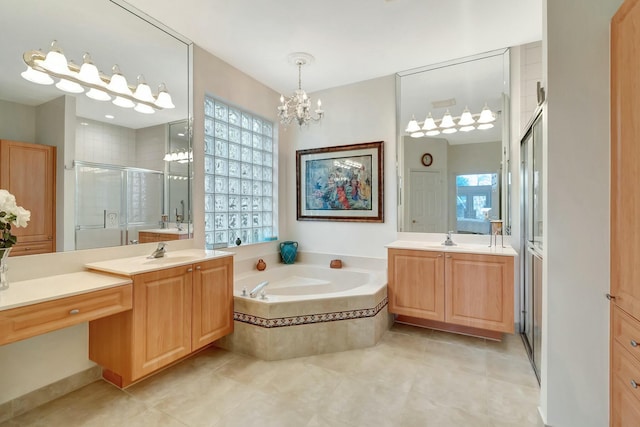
{"type": "Point", "coordinates": [341, 183]}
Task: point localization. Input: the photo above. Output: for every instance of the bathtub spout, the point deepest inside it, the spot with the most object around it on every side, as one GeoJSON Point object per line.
{"type": "Point", "coordinates": [258, 288]}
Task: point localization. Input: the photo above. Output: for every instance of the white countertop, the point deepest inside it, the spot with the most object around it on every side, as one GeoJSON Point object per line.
{"type": "Point", "coordinates": [34, 291]}
{"type": "Point", "coordinates": [467, 248]}
{"type": "Point", "coordinates": [142, 264]}
{"type": "Point", "coordinates": [166, 231]}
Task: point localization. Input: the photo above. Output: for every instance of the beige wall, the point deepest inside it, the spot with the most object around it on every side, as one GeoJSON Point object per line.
{"type": "Point", "coordinates": [17, 122]}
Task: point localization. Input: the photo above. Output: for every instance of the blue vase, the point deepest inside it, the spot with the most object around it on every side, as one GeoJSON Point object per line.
{"type": "Point", "coordinates": [288, 251]}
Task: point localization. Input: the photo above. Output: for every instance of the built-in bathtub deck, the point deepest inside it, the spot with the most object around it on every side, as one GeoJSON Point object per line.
{"type": "Point", "coordinates": [291, 323]}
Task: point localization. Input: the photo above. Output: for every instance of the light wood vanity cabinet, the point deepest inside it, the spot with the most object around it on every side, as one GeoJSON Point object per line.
{"type": "Point", "coordinates": [176, 311]}
{"type": "Point", "coordinates": [625, 222]}
{"type": "Point", "coordinates": [151, 237]}
{"type": "Point", "coordinates": [456, 290]}
{"type": "Point", "coordinates": [28, 171]}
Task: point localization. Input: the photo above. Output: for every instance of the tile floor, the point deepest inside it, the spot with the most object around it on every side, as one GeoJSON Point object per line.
{"type": "Point", "coordinates": [412, 377]}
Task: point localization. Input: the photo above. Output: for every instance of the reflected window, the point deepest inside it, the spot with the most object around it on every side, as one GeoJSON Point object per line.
{"type": "Point", "coordinates": [239, 184]}
{"type": "Point", "coordinates": [473, 196]}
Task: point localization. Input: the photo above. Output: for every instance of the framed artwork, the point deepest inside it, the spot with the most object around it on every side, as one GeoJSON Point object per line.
{"type": "Point", "coordinates": [343, 183]}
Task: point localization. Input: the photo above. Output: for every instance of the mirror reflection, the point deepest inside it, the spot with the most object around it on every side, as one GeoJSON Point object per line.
{"type": "Point", "coordinates": [122, 164]}
{"type": "Point", "coordinates": [450, 154]}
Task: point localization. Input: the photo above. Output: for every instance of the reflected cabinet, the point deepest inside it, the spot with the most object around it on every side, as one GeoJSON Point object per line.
{"type": "Point", "coordinates": [28, 171]}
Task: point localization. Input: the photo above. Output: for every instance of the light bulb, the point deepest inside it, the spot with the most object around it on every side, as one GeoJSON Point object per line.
{"type": "Point", "coordinates": [412, 126]}
{"type": "Point", "coordinates": [89, 72]}
{"type": "Point", "coordinates": [429, 123]}
{"type": "Point", "coordinates": [55, 60]}
{"type": "Point", "coordinates": [69, 86]}
{"type": "Point", "coordinates": [432, 132]}
{"type": "Point", "coordinates": [467, 128]}
{"type": "Point", "coordinates": [486, 116]}
{"type": "Point", "coordinates": [449, 130]}
{"type": "Point", "coordinates": [485, 126]}
{"type": "Point", "coordinates": [417, 134]}
{"type": "Point", "coordinates": [143, 91]}
{"type": "Point", "coordinates": [144, 108]}
{"type": "Point", "coordinates": [98, 95]}
{"type": "Point", "coordinates": [118, 84]}
{"type": "Point", "coordinates": [123, 102]}
{"type": "Point", "coordinates": [164, 99]}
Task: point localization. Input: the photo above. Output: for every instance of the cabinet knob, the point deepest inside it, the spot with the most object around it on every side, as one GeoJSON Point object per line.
{"type": "Point", "coordinates": [610, 297]}
{"type": "Point", "coordinates": [634, 384]}
{"type": "Point", "coordinates": [633, 343]}
{"type": "Point", "coordinates": [189, 270]}
{"type": "Point", "coordinates": [198, 267]}
{"type": "Point", "coordinates": [74, 311]}
{"type": "Point", "coordinates": [440, 256]}
{"type": "Point", "coordinates": [448, 256]}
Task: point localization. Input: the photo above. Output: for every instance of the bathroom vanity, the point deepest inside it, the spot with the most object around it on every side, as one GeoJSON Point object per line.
{"type": "Point", "coordinates": [162, 235]}
{"type": "Point", "coordinates": [466, 288]}
{"type": "Point", "coordinates": [181, 303]}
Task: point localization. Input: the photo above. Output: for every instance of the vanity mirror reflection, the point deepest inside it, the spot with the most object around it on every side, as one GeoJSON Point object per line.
{"type": "Point", "coordinates": [453, 145]}
{"type": "Point", "coordinates": [115, 175]}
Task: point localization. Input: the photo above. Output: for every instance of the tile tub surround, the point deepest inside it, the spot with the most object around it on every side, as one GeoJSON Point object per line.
{"type": "Point", "coordinates": [287, 326]}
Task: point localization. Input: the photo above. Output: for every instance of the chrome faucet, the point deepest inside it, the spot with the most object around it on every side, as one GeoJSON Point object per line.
{"type": "Point", "coordinates": [448, 241]}
{"type": "Point", "coordinates": [160, 251]}
{"type": "Point", "coordinates": [258, 288]}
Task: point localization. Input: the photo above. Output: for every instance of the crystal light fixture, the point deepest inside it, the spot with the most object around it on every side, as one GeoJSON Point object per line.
{"type": "Point", "coordinates": [449, 124]}
{"type": "Point", "coordinates": [43, 68]}
{"type": "Point", "coordinates": [298, 106]}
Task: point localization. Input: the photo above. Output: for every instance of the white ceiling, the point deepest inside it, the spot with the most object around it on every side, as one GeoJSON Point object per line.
{"type": "Point", "coordinates": [351, 40]}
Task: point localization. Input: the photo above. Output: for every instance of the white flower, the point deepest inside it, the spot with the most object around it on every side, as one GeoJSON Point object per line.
{"type": "Point", "coordinates": [7, 202]}
{"type": "Point", "coordinates": [22, 217]}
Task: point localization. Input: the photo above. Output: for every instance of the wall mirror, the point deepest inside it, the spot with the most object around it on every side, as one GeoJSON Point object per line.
{"type": "Point", "coordinates": [119, 171]}
{"type": "Point", "coordinates": [453, 130]}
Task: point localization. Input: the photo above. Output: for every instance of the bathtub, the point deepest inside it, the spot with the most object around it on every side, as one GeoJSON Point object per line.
{"type": "Point", "coordinates": [308, 309]}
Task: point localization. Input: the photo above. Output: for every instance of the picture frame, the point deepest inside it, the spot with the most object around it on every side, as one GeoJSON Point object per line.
{"type": "Point", "coordinates": [341, 183]}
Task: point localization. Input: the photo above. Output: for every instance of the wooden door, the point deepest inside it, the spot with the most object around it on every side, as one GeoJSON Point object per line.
{"type": "Point", "coordinates": [28, 172]}
{"type": "Point", "coordinates": [425, 202]}
{"type": "Point", "coordinates": [479, 291]}
{"type": "Point", "coordinates": [625, 203]}
{"type": "Point", "coordinates": [212, 301]}
{"type": "Point", "coordinates": [416, 284]}
{"type": "Point", "coordinates": [161, 318]}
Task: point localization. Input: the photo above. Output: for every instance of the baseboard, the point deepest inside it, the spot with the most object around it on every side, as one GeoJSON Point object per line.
{"type": "Point", "coordinates": [31, 400]}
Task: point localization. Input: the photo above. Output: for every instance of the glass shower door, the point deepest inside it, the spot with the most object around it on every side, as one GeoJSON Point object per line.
{"type": "Point", "coordinates": [99, 206]}
{"type": "Point", "coordinates": [144, 194]}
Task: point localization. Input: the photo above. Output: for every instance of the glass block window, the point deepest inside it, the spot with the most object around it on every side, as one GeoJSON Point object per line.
{"type": "Point", "coordinates": [239, 182]}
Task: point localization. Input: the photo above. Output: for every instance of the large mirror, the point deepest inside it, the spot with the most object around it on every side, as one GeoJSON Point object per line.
{"type": "Point", "coordinates": [123, 174]}
{"type": "Point", "coordinates": [453, 131]}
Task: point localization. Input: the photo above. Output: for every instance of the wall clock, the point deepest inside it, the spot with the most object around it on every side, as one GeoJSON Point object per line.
{"type": "Point", "coordinates": [427, 159]}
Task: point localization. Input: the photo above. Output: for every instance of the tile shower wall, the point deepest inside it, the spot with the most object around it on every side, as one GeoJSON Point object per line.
{"type": "Point", "coordinates": [531, 73]}
{"type": "Point", "coordinates": [104, 143]}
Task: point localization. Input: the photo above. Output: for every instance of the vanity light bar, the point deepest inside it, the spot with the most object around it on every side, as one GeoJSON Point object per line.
{"type": "Point", "coordinates": [76, 79]}
{"type": "Point", "coordinates": [448, 124]}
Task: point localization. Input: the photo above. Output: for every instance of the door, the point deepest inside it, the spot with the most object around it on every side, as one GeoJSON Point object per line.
{"type": "Point", "coordinates": [625, 187]}
{"type": "Point", "coordinates": [416, 284]}
{"type": "Point", "coordinates": [425, 202]}
{"type": "Point", "coordinates": [161, 318]}
{"type": "Point", "coordinates": [212, 301]}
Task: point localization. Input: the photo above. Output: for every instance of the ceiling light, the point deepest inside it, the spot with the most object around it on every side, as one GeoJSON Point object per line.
{"type": "Point", "coordinates": [485, 126]}
{"type": "Point", "coordinates": [109, 116]}
{"type": "Point", "coordinates": [76, 79]}
{"type": "Point", "coordinates": [429, 123]}
{"type": "Point", "coordinates": [467, 128]}
{"type": "Point", "coordinates": [449, 130]}
{"type": "Point", "coordinates": [432, 132]}
{"type": "Point", "coordinates": [36, 76]}
{"type": "Point", "coordinates": [486, 116]}
{"type": "Point", "coordinates": [69, 86]}
{"type": "Point", "coordinates": [412, 126]}
{"type": "Point", "coordinates": [417, 134]}
{"type": "Point", "coordinates": [298, 106]}
{"type": "Point", "coordinates": [447, 121]}
{"type": "Point", "coordinates": [466, 119]}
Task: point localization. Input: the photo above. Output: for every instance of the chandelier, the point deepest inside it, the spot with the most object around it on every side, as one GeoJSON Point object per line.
{"type": "Point", "coordinates": [72, 78]}
{"type": "Point", "coordinates": [466, 122]}
{"type": "Point", "coordinates": [298, 106]}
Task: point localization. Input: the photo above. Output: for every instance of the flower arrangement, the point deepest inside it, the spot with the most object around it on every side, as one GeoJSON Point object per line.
{"type": "Point", "coordinates": [10, 214]}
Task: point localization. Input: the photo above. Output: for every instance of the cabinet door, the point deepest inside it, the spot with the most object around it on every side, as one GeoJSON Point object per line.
{"type": "Point", "coordinates": [479, 291]}
{"type": "Point", "coordinates": [161, 318]}
{"type": "Point", "coordinates": [416, 284]}
{"type": "Point", "coordinates": [212, 301]}
{"type": "Point", "coordinates": [28, 172]}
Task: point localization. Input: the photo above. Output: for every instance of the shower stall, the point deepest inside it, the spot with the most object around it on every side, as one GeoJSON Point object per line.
{"type": "Point", "coordinates": [114, 202]}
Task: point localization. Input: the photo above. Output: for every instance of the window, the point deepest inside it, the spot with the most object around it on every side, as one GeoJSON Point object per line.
{"type": "Point", "coordinates": [473, 195]}
{"type": "Point", "coordinates": [239, 182]}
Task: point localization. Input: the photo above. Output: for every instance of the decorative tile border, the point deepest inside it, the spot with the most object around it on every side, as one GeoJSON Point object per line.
{"type": "Point", "coordinates": [306, 319]}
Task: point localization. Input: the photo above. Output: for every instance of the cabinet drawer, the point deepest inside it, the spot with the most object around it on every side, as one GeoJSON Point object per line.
{"type": "Point", "coordinates": [24, 322]}
{"type": "Point", "coordinates": [626, 331]}
{"type": "Point", "coordinates": [626, 370]}
{"type": "Point", "coordinates": [32, 248]}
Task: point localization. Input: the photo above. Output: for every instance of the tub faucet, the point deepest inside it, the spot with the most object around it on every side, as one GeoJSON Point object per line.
{"type": "Point", "coordinates": [448, 241]}
{"type": "Point", "coordinates": [258, 288]}
{"type": "Point", "coordinates": [159, 252]}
